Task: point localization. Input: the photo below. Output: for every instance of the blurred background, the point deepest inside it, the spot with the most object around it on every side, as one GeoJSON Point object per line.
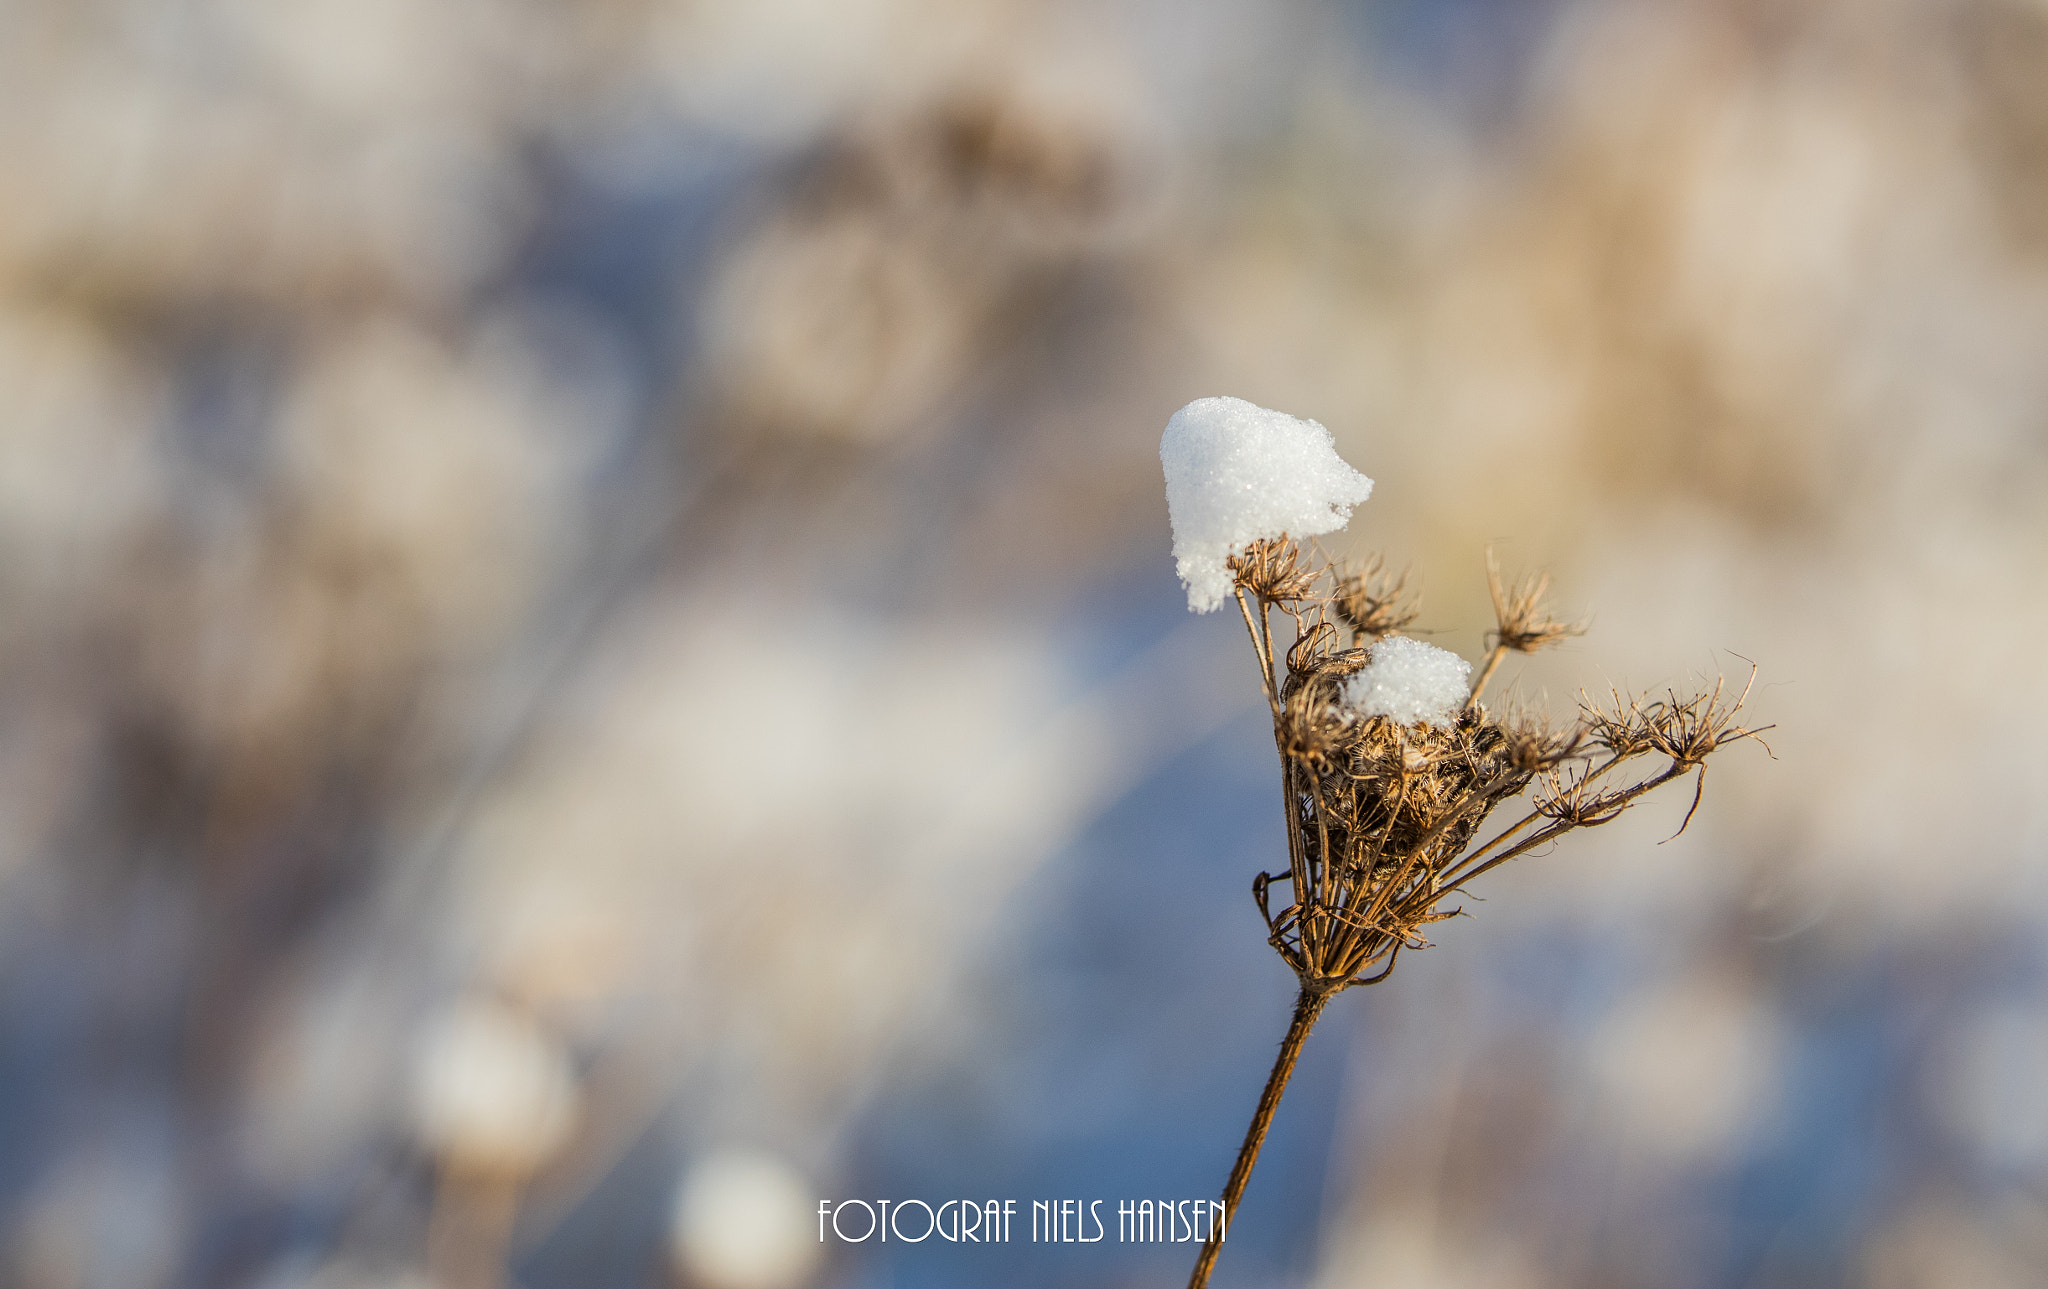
{"type": "Point", "coordinates": [588, 653]}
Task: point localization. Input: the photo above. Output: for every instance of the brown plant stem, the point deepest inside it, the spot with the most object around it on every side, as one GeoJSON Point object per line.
{"type": "Point", "coordinates": [1306, 1008]}
{"type": "Point", "coordinates": [1262, 649]}
{"type": "Point", "coordinates": [469, 1228]}
{"type": "Point", "coordinates": [1499, 652]}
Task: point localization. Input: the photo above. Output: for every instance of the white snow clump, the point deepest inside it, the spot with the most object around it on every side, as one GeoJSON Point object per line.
{"type": "Point", "coordinates": [1409, 682]}
{"type": "Point", "coordinates": [1237, 473]}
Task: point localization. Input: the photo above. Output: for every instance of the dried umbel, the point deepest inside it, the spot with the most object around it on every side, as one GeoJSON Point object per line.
{"type": "Point", "coordinates": [1384, 816]}
{"type": "Point", "coordinates": [1391, 775]}
{"type": "Point", "coordinates": [1391, 768]}
{"type": "Point", "coordinates": [1372, 603]}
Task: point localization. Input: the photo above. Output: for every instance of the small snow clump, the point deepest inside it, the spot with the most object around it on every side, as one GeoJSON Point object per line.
{"type": "Point", "coordinates": [1409, 682]}
{"type": "Point", "coordinates": [1237, 473]}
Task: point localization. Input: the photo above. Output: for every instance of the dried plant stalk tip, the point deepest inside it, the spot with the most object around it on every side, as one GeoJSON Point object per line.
{"type": "Point", "coordinates": [1522, 619]}
{"type": "Point", "coordinates": [1273, 569]}
{"type": "Point", "coordinates": [1373, 603]}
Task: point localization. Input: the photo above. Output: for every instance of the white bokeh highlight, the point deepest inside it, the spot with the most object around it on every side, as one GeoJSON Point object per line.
{"type": "Point", "coordinates": [743, 1220]}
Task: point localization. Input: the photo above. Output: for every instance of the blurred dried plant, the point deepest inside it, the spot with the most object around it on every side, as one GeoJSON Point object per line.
{"type": "Point", "coordinates": [1382, 816]}
{"type": "Point", "coordinates": [905, 252]}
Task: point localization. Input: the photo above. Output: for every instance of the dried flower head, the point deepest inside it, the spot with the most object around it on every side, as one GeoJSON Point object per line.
{"type": "Point", "coordinates": [1619, 729]}
{"type": "Point", "coordinates": [1522, 620]}
{"type": "Point", "coordinates": [1373, 603]}
{"type": "Point", "coordinates": [1390, 773]}
{"type": "Point", "coordinates": [1273, 569]}
{"type": "Point", "coordinates": [1391, 768]}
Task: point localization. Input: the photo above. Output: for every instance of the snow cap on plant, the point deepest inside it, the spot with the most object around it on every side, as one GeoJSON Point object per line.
{"type": "Point", "coordinates": [1237, 474]}
{"type": "Point", "coordinates": [1409, 682]}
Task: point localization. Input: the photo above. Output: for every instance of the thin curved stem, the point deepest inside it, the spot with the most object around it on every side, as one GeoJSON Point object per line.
{"type": "Point", "coordinates": [1306, 1008]}
{"type": "Point", "coordinates": [1261, 648]}
{"type": "Point", "coordinates": [1500, 651]}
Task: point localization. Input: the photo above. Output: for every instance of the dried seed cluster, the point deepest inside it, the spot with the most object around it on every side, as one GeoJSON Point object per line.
{"type": "Point", "coordinates": [1373, 603]}
{"type": "Point", "coordinates": [1384, 819]}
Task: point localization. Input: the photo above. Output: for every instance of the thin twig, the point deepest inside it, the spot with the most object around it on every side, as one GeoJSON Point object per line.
{"type": "Point", "coordinates": [1307, 1007]}
{"type": "Point", "coordinates": [1500, 651]}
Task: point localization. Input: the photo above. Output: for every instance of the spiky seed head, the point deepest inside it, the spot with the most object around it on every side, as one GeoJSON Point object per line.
{"type": "Point", "coordinates": [1383, 815]}
{"type": "Point", "coordinates": [1522, 619]}
{"type": "Point", "coordinates": [1311, 728]}
{"type": "Point", "coordinates": [1530, 747]}
{"type": "Point", "coordinates": [1373, 603]}
{"type": "Point", "coordinates": [1273, 569]}
{"type": "Point", "coordinates": [1623, 729]}
{"type": "Point", "coordinates": [1688, 729]}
